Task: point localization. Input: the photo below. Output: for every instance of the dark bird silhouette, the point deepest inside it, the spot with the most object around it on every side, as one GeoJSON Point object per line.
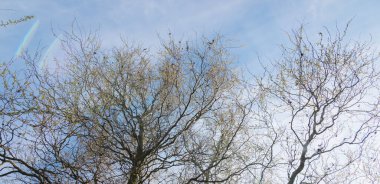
{"type": "Point", "coordinates": [319, 150]}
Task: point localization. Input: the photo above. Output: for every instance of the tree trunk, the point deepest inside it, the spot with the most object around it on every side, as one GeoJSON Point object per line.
{"type": "Point", "coordinates": [135, 175]}
{"type": "Point", "coordinates": [300, 167]}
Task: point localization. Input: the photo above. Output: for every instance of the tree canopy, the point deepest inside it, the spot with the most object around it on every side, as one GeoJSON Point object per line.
{"type": "Point", "coordinates": [185, 114]}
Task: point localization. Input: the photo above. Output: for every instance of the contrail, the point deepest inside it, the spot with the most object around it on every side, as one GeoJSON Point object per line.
{"type": "Point", "coordinates": [4, 9]}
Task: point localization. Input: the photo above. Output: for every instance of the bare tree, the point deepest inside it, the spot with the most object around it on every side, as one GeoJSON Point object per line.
{"type": "Point", "coordinates": [126, 115]}
{"type": "Point", "coordinates": [183, 115]}
{"type": "Point", "coordinates": [325, 97]}
{"type": "Point", "coordinates": [15, 102]}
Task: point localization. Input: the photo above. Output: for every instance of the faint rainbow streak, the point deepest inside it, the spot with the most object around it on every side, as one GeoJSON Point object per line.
{"type": "Point", "coordinates": [53, 46]}
{"type": "Point", "coordinates": [27, 38]}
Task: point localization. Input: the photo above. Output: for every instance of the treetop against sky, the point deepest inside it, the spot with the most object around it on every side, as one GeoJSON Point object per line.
{"type": "Point", "coordinates": [255, 28]}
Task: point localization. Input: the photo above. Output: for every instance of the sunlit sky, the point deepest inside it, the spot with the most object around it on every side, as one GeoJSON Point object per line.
{"type": "Point", "coordinates": [255, 28]}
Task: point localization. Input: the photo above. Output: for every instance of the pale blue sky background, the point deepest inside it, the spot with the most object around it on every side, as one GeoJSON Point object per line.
{"type": "Point", "coordinates": [256, 27]}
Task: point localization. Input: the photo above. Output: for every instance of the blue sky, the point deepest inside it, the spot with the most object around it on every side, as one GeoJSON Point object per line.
{"type": "Point", "coordinates": [256, 28]}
